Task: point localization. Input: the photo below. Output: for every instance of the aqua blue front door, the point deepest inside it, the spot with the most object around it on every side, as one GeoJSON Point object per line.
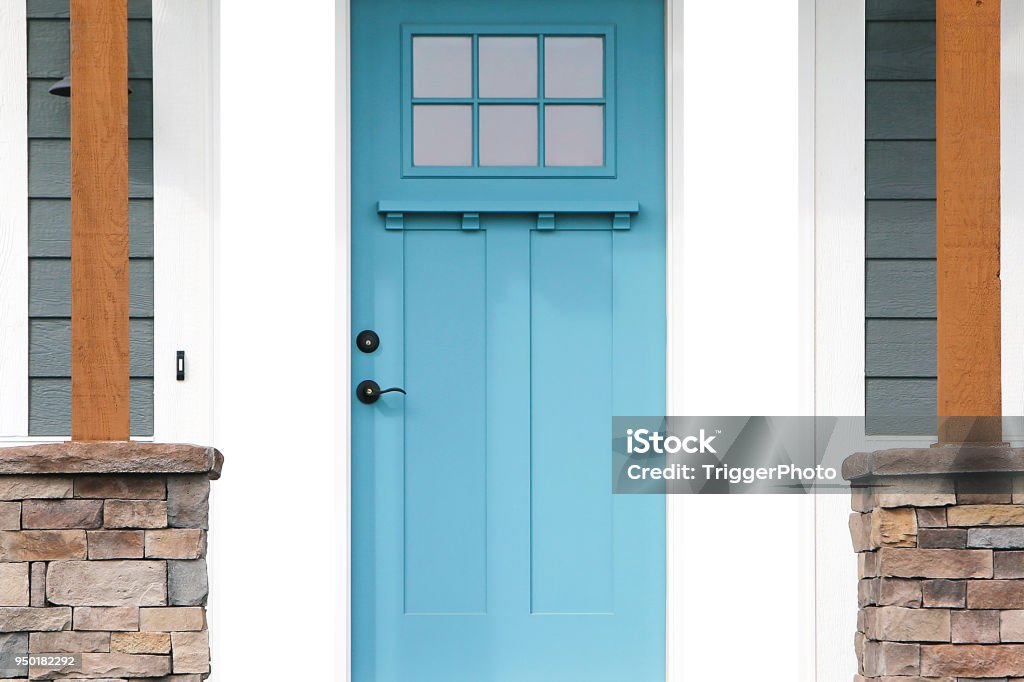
{"type": "Point", "coordinates": [508, 248]}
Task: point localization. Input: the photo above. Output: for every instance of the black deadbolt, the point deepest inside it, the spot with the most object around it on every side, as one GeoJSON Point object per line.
{"type": "Point", "coordinates": [367, 341]}
{"type": "Point", "coordinates": [369, 391]}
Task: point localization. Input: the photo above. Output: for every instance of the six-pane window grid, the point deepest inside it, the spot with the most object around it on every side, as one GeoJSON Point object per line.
{"type": "Point", "coordinates": [509, 101]}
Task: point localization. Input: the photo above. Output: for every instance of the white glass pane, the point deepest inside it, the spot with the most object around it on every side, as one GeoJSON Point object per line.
{"type": "Point", "coordinates": [574, 67]}
{"type": "Point", "coordinates": [574, 135]}
{"type": "Point", "coordinates": [442, 66]}
{"type": "Point", "coordinates": [508, 135]}
{"type": "Point", "coordinates": [442, 135]}
{"type": "Point", "coordinates": [508, 67]}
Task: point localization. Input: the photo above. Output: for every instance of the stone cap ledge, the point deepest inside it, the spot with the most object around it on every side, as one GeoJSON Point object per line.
{"type": "Point", "coordinates": [111, 457]}
{"type": "Point", "coordinates": [945, 459]}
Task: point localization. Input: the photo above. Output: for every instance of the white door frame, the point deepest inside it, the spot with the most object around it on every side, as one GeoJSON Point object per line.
{"type": "Point", "coordinates": [218, 233]}
{"type": "Point", "coordinates": [280, 371]}
{"type": "Point", "coordinates": [740, 320]}
{"type": "Point", "coordinates": [709, 277]}
{"type": "Point", "coordinates": [839, 306]}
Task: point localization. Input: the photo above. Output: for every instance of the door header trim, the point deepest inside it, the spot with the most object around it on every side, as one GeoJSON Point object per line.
{"type": "Point", "coordinates": [471, 206]}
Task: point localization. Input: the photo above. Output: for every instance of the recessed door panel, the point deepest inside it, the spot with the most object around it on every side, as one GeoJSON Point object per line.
{"type": "Point", "coordinates": [571, 510]}
{"type": "Point", "coordinates": [445, 470]}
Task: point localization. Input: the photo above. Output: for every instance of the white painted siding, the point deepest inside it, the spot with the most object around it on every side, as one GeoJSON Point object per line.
{"type": "Point", "coordinates": [13, 221]}
{"type": "Point", "coordinates": [738, 326]}
{"type": "Point", "coordinates": [281, 397]}
{"type": "Point", "coordinates": [1012, 233]}
{"type": "Point", "coordinates": [183, 178]}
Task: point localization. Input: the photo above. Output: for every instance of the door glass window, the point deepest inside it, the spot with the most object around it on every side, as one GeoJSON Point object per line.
{"type": "Point", "coordinates": [508, 66]}
{"type": "Point", "coordinates": [508, 135]}
{"type": "Point", "coordinates": [573, 135]}
{"type": "Point", "coordinates": [573, 67]}
{"type": "Point", "coordinates": [442, 66]}
{"type": "Point", "coordinates": [509, 102]}
{"type": "Point", "coordinates": [447, 135]}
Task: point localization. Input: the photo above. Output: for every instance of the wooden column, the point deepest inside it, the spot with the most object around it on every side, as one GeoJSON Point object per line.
{"type": "Point", "coordinates": [967, 180]}
{"type": "Point", "coordinates": [99, 220]}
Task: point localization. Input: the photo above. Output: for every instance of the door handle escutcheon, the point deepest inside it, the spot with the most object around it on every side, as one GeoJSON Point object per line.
{"type": "Point", "coordinates": [369, 391]}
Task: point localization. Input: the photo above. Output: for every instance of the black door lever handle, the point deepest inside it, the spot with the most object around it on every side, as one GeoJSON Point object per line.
{"type": "Point", "coordinates": [369, 391]}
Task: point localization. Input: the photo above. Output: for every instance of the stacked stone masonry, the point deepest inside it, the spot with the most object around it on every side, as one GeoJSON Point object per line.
{"type": "Point", "coordinates": [941, 577]}
{"type": "Point", "coordinates": [104, 561]}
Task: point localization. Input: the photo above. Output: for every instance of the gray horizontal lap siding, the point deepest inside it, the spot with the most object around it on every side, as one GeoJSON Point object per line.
{"type": "Point", "coordinates": [50, 347]}
{"type": "Point", "coordinates": [49, 172]}
{"type": "Point", "coordinates": [50, 406]}
{"type": "Point", "coordinates": [50, 117]}
{"type": "Point", "coordinates": [50, 228]}
{"type": "Point", "coordinates": [61, 9]}
{"type": "Point", "coordinates": [900, 217]}
{"type": "Point", "coordinates": [49, 164]}
{"type": "Point", "coordinates": [906, 10]}
{"type": "Point", "coordinates": [49, 287]}
{"type": "Point", "coordinates": [49, 54]}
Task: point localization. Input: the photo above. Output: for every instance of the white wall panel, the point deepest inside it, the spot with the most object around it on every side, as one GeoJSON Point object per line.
{"type": "Point", "coordinates": [280, 515]}
{"type": "Point", "coordinates": [739, 327]}
{"type": "Point", "coordinates": [13, 221]}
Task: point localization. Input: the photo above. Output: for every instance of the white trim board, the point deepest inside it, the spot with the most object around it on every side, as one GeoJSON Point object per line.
{"type": "Point", "coordinates": [807, 545]}
{"type": "Point", "coordinates": [675, 548]}
{"type": "Point", "coordinates": [183, 144]}
{"type": "Point", "coordinates": [839, 306]}
{"type": "Point", "coordinates": [280, 378]}
{"type": "Point", "coordinates": [1012, 209]}
{"type": "Point", "coordinates": [184, 148]}
{"type": "Point", "coordinates": [13, 220]}
{"type": "Point", "coordinates": [740, 264]}
{"type": "Point", "coordinates": [343, 329]}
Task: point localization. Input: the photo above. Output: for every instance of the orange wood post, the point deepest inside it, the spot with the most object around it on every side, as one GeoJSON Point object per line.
{"type": "Point", "coordinates": [967, 184]}
{"type": "Point", "coordinates": [99, 220]}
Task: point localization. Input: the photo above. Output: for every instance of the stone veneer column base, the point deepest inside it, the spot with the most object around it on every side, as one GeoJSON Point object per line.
{"type": "Point", "coordinates": [103, 555]}
{"type": "Point", "coordinates": [939, 536]}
